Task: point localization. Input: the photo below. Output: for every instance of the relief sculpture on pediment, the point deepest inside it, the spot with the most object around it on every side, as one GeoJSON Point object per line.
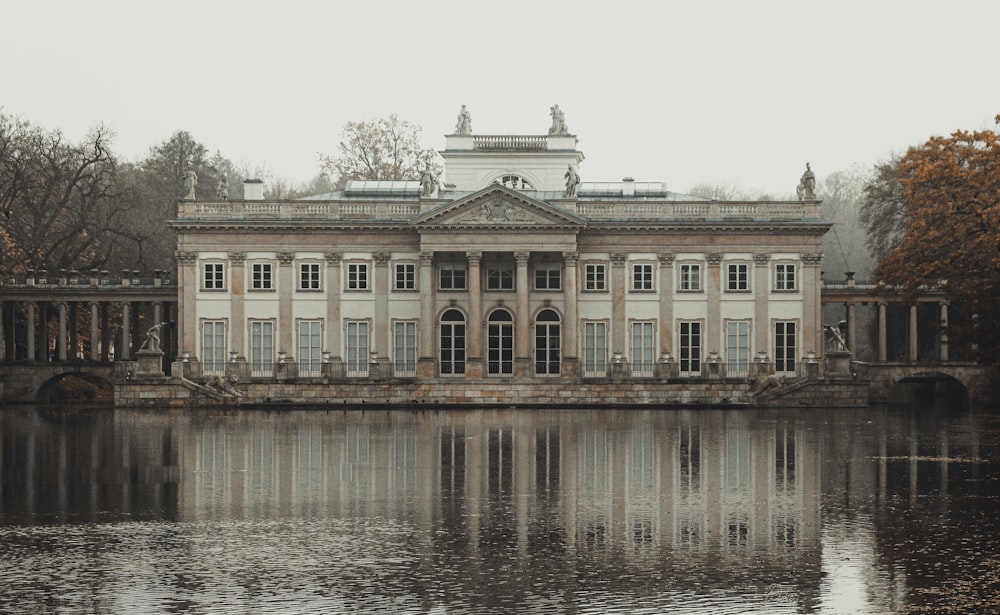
{"type": "Point", "coordinates": [497, 211]}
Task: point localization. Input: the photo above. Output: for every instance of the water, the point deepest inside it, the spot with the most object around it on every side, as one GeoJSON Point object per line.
{"type": "Point", "coordinates": [617, 511]}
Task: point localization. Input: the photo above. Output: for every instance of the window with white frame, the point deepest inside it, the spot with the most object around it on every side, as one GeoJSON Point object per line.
{"type": "Point", "coordinates": [451, 276]}
{"type": "Point", "coordinates": [690, 348]}
{"type": "Point", "coordinates": [357, 348]}
{"type": "Point", "coordinates": [548, 277]}
{"type": "Point", "coordinates": [737, 277]}
{"type": "Point", "coordinates": [213, 346]}
{"type": "Point", "coordinates": [784, 276]}
{"type": "Point", "coordinates": [357, 276]}
{"type": "Point", "coordinates": [261, 276]}
{"type": "Point", "coordinates": [310, 347]}
{"type": "Point", "coordinates": [784, 347]}
{"type": "Point", "coordinates": [595, 277]}
{"type": "Point", "coordinates": [406, 276]}
{"type": "Point", "coordinates": [643, 346]}
{"type": "Point", "coordinates": [595, 348]}
{"type": "Point", "coordinates": [690, 277]}
{"type": "Point", "coordinates": [215, 276]}
{"type": "Point", "coordinates": [404, 350]}
{"type": "Point", "coordinates": [642, 277]}
{"type": "Point", "coordinates": [309, 276]}
{"type": "Point", "coordinates": [500, 276]}
{"type": "Point", "coordinates": [737, 348]}
{"type": "Point", "coordinates": [261, 348]}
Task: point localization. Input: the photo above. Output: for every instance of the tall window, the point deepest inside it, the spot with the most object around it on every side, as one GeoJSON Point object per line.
{"type": "Point", "coordinates": [547, 343]}
{"type": "Point", "coordinates": [310, 343]}
{"type": "Point", "coordinates": [261, 276]}
{"type": "Point", "coordinates": [690, 347]}
{"type": "Point", "coordinates": [357, 276]}
{"type": "Point", "coordinates": [500, 343]}
{"type": "Point", "coordinates": [215, 278]}
{"type": "Point", "coordinates": [261, 348]}
{"type": "Point", "coordinates": [452, 343]}
{"type": "Point", "coordinates": [406, 276]}
{"type": "Point", "coordinates": [405, 348]}
{"type": "Point", "coordinates": [357, 348]}
{"type": "Point", "coordinates": [642, 277]}
{"type": "Point", "coordinates": [784, 347]}
{"type": "Point", "coordinates": [309, 276]}
{"type": "Point", "coordinates": [213, 346]}
{"type": "Point", "coordinates": [784, 276]}
{"type": "Point", "coordinates": [595, 348]}
{"type": "Point", "coordinates": [738, 277]}
{"type": "Point", "coordinates": [737, 348]}
{"type": "Point", "coordinates": [595, 277]}
{"type": "Point", "coordinates": [547, 277]}
{"type": "Point", "coordinates": [451, 276]}
{"type": "Point", "coordinates": [500, 277]}
{"type": "Point", "coordinates": [690, 277]}
{"type": "Point", "coordinates": [643, 346]}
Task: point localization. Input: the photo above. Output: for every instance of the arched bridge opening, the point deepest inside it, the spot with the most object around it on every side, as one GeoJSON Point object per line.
{"type": "Point", "coordinates": [76, 387]}
{"type": "Point", "coordinates": [929, 388]}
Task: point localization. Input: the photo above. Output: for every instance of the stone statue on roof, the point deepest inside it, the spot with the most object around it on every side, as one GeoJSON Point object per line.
{"type": "Point", "coordinates": [190, 181]}
{"type": "Point", "coordinates": [558, 127]}
{"type": "Point", "coordinates": [222, 190]}
{"type": "Point", "coordinates": [428, 183]}
{"type": "Point", "coordinates": [464, 125]}
{"type": "Point", "coordinates": [806, 189]}
{"type": "Point", "coordinates": [572, 181]}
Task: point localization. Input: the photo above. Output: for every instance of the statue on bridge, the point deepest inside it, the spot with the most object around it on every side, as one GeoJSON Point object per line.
{"type": "Point", "coordinates": [152, 341]}
{"type": "Point", "coordinates": [834, 338]}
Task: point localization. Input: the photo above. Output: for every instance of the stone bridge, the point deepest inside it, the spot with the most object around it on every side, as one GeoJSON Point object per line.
{"type": "Point", "coordinates": [920, 382]}
{"type": "Point", "coordinates": [42, 382]}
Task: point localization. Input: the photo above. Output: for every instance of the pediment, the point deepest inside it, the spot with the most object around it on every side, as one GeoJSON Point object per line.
{"type": "Point", "coordinates": [499, 207]}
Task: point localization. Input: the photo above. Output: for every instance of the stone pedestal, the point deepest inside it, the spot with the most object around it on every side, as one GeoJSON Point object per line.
{"type": "Point", "coordinates": [838, 364]}
{"type": "Point", "coordinates": [150, 364]}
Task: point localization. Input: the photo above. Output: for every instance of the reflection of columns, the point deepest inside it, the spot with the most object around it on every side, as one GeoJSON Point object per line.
{"type": "Point", "coordinates": [61, 340]}
{"type": "Point", "coordinates": [618, 281]}
{"type": "Point", "coordinates": [126, 332]}
{"type": "Point", "coordinates": [852, 327]}
{"type": "Point", "coordinates": [474, 357]}
{"type": "Point", "coordinates": [333, 326]}
{"type": "Point", "coordinates": [913, 334]}
{"type": "Point", "coordinates": [95, 345]}
{"type": "Point", "coordinates": [666, 302]}
{"type": "Point", "coordinates": [30, 309]}
{"type": "Point", "coordinates": [286, 284]}
{"type": "Point", "coordinates": [882, 352]}
{"type": "Point", "coordinates": [713, 290]}
{"type": "Point", "coordinates": [761, 290]}
{"type": "Point", "coordinates": [426, 366]}
{"type": "Point", "coordinates": [381, 327]}
{"type": "Point", "coordinates": [943, 339]}
{"type": "Point", "coordinates": [237, 264]}
{"type": "Point", "coordinates": [522, 339]}
{"type": "Point", "coordinates": [571, 331]}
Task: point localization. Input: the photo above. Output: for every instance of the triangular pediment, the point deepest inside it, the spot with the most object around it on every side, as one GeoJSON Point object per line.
{"type": "Point", "coordinates": [498, 207]}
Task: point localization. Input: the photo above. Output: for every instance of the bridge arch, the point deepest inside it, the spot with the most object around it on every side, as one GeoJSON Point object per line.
{"type": "Point", "coordinates": [75, 386]}
{"type": "Point", "coordinates": [928, 387]}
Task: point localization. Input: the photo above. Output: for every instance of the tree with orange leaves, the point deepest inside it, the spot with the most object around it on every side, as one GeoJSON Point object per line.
{"type": "Point", "coordinates": [951, 193]}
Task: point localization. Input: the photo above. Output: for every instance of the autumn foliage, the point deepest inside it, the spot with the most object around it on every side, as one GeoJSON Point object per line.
{"type": "Point", "coordinates": [951, 193]}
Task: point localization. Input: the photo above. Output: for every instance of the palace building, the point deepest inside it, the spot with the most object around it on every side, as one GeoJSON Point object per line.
{"type": "Point", "coordinates": [507, 267]}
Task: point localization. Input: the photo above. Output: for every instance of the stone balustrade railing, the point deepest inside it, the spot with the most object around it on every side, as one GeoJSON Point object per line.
{"type": "Point", "coordinates": [522, 143]}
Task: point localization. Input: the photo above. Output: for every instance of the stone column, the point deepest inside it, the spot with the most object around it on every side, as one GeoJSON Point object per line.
{"type": "Point", "coordinates": [30, 308]}
{"type": "Point", "coordinates": [812, 306]}
{"type": "Point", "coordinates": [286, 287]}
{"type": "Point", "coordinates": [126, 332]}
{"type": "Point", "coordinates": [61, 340]}
{"type": "Point", "coordinates": [95, 340]}
{"type": "Point", "coordinates": [882, 346]}
{"type": "Point", "coordinates": [106, 340]}
{"type": "Point", "coordinates": [852, 333]}
{"type": "Point", "coordinates": [237, 311]}
{"type": "Point", "coordinates": [713, 320]}
{"type": "Point", "coordinates": [619, 280]}
{"type": "Point", "coordinates": [187, 315]}
{"type": "Point", "coordinates": [474, 332]}
{"type": "Point", "coordinates": [522, 335]}
{"type": "Point", "coordinates": [333, 287]}
{"type": "Point", "coordinates": [943, 340]}
{"type": "Point", "coordinates": [3, 332]}
{"type": "Point", "coordinates": [666, 302]}
{"type": "Point", "coordinates": [761, 291]}
{"type": "Point", "coordinates": [380, 327]}
{"type": "Point", "coordinates": [571, 328]}
{"type": "Point", "coordinates": [426, 363]}
{"type": "Point", "coordinates": [913, 334]}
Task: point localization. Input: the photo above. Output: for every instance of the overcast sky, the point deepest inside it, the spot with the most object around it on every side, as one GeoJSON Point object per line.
{"type": "Point", "coordinates": [741, 92]}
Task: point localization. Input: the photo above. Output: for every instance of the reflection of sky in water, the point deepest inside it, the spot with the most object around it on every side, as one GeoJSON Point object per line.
{"type": "Point", "coordinates": [617, 511]}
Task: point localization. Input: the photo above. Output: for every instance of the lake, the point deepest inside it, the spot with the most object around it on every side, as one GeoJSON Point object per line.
{"type": "Point", "coordinates": [883, 510]}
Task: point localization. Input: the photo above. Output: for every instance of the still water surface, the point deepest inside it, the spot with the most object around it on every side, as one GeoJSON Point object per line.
{"type": "Point", "coordinates": [627, 511]}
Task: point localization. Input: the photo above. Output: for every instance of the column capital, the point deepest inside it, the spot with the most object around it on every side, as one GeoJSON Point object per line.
{"type": "Point", "coordinates": [426, 258]}
{"type": "Point", "coordinates": [571, 258]}
{"type": "Point", "coordinates": [381, 258]}
{"type": "Point", "coordinates": [811, 260]}
{"type": "Point", "coordinates": [666, 258]}
{"type": "Point", "coordinates": [761, 259]}
{"type": "Point", "coordinates": [714, 259]}
{"type": "Point", "coordinates": [522, 258]}
{"type": "Point", "coordinates": [286, 258]}
{"type": "Point", "coordinates": [237, 258]}
{"type": "Point", "coordinates": [333, 258]}
{"type": "Point", "coordinates": [185, 257]}
{"type": "Point", "coordinates": [474, 258]}
{"type": "Point", "coordinates": [619, 259]}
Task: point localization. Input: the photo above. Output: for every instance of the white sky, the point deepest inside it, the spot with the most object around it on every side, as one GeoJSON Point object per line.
{"type": "Point", "coordinates": [740, 92]}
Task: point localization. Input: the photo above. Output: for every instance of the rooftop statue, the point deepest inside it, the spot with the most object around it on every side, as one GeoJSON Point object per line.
{"type": "Point", "coordinates": [222, 190]}
{"type": "Point", "coordinates": [427, 182]}
{"type": "Point", "coordinates": [190, 181]}
{"type": "Point", "coordinates": [464, 125]}
{"type": "Point", "coordinates": [572, 181]}
{"type": "Point", "coordinates": [807, 185]}
{"type": "Point", "coordinates": [558, 127]}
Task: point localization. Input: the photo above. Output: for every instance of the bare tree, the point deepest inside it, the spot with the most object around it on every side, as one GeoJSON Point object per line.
{"type": "Point", "coordinates": [387, 148]}
{"type": "Point", "coordinates": [883, 213]}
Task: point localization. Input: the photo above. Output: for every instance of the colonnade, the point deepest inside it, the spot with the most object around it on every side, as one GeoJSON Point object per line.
{"type": "Point", "coordinates": [882, 338]}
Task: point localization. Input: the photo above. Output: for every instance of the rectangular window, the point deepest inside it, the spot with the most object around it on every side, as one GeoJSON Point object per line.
{"type": "Point", "coordinates": [737, 348]}
{"type": "Point", "coordinates": [595, 277]}
{"type": "Point", "coordinates": [451, 276]}
{"type": "Point", "coordinates": [357, 348]}
{"type": "Point", "coordinates": [690, 277]}
{"type": "Point", "coordinates": [261, 348]}
{"type": "Point", "coordinates": [261, 276]}
{"type": "Point", "coordinates": [595, 348]}
{"type": "Point", "coordinates": [642, 349]}
{"type": "Point", "coordinates": [548, 277]}
{"type": "Point", "coordinates": [738, 279]}
{"type": "Point", "coordinates": [405, 348]}
{"type": "Point", "coordinates": [500, 277]}
{"type": "Point", "coordinates": [642, 277]}
{"type": "Point", "coordinates": [406, 276]}
{"type": "Point", "coordinates": [215, 276]}
{"type": "Point", "coordinates": [357, 276]}
{"type": "Point", "coordinates": [784, 348]}
{"type": "Point", "coordinates": [690, 347]}
{"type": "Point", "coordinates": [309, 276]}
{"type": "Point", "coordinates": [784, 276]}
{"type": "Point", "coordinates": [213, 347]}
{"type": "Point", "coordinates": [310, 343]}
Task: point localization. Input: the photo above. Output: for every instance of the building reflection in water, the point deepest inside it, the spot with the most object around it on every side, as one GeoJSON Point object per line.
{"type": "Point", "coordinates": [708, 498]}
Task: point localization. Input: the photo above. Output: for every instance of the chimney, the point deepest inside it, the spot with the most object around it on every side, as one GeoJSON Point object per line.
{"type": "Point", "coordinates": [253, 190]}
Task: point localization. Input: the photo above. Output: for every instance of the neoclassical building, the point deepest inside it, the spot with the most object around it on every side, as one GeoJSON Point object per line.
{"type": "Point", "coordinates": [506, 267]}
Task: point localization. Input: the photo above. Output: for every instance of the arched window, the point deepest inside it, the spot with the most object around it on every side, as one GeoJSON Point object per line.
{"type": "Point", "coordinates": [500, 344]}
{"type": "Point", "coordinates": [452, 343]}
{"type": "Point", "coordinates": [547, 343]}
{"type": "Point", "coordinates": [515, 181]}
